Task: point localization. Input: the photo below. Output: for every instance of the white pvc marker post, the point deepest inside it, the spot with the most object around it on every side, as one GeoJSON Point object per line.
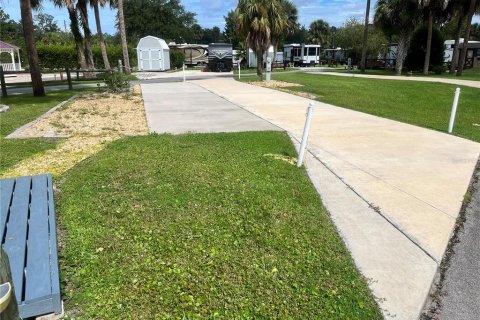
{"type": "Point", "coordinates": [238, 70]}
{"type": "Point", "coordinates": [454, 110]}
{"type": "Point", "coordinates": [306, 129]}
{"type": "Point", "coordinates": [184, 77]}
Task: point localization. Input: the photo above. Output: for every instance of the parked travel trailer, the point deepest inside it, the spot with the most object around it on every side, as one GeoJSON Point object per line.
{"type": "Point", "coordinates": [220, 57]}
{"type": "Point", "coordinates": [301, 54]}
{"type": "Point", "coordinates": [195, 54]}
{"type": "Point", "coordinates": [337, 55]}
{"type": "Point", "coordinates": [473, 53]}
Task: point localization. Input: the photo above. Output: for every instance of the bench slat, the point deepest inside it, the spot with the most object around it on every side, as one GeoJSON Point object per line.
{"type": "Point", "coordinates": [15, 240]}
{"type": "Point", "coordinates": [38, 252]}
{"type": "Point", "coordinates": [55, 275]}
{"type": "Point", "coordinates": [6, 188]}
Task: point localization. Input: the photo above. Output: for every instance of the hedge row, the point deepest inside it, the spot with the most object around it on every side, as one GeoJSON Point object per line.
{"type": "Point", "coordinates": [61, 56]}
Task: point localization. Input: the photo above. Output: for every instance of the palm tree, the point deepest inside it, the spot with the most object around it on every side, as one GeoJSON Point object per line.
{"type": "Point", "coordinates": [398, 17]}
{"type": "Point", "coordinates": [471, 11]}
{"type": "Point", "coordinates": [123, 36]}
{"type": "Point", "coordinates": [257, 21]}
{"type": "Point", "coordinates": [435, 10]}
{"type": "Point", "coordinates": [95, 5]}
{"type": "Point", "coordinates": [29, 35]}
{"type": "Point", "coordinates": [75, 28]}
{"type": "Point", "coordinates": [319, 32]}
{"type": "Point", "coordinates": [289, 24]}
{"type": "Point", "coordinates": [365, 37]}
{"type": "Point", "coordinates": [82, 6]}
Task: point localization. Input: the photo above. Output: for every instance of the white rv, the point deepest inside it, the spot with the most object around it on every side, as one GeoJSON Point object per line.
{"type": "Point", "coordinates": [301, 54]}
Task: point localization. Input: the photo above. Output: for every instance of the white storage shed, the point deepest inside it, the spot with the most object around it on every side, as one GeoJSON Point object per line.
{"type": "Point", "coordinates": [153, 54]}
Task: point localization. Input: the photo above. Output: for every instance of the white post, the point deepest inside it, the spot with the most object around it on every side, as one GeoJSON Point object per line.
{"type": "Point", "coordinates": [19, 61]}
{"type": "Point", "coordinates": [454, 110]}
{"type": "Point", "coordinates": [13, 61]}
{"type": "Point", "coordinates": [239, 70]}
{"type": "Point", "coordinates": [306, 129]}
{"type": "Point", "coordinates": [184, 77]}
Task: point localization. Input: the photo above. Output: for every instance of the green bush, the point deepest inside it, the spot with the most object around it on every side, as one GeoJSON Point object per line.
{"type": "Point", "coordinates": [61, 56]}
{"type": "Point", "coordinates": [177, 58]}
{"type": "Point", "coordinates": [439, 69]}
{"type": "Point", "coordinates": [416, 52]}
{"type": "Point", "coordinates": [115, 81]}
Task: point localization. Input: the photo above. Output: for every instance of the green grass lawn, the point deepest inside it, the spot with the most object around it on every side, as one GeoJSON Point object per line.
{"type": "Point", "coordinates": [254, 70]}
{"type": "Point", "coordinates": [202, 226]}
{"type": "Point", "coordinates": [468, 74]}
{"type": "Point", "coordinates": [426, 104]}
{"type": "Point", "coordinates": [23, 109]}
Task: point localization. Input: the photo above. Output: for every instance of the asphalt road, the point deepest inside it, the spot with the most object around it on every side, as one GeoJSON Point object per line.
{"type": "Point", "coordinates": [461, 286]}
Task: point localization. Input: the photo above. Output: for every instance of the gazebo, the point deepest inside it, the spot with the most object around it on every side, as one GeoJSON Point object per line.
{"type": "Point", "coordinates": [12, 50]}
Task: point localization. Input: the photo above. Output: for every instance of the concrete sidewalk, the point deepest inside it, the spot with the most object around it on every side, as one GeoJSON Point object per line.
{"type": "Point", "coordinates": [460, 82]}
{"type": "Point", "coordinates": [185, 107]}
{"type": "Point", "coordinates": [394, 190]}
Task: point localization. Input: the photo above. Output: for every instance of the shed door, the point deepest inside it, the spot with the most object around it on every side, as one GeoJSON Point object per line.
{"type": "Point", "coordinates": [156, 60]}
{"type": "Point", "coordinates": [144, 60]}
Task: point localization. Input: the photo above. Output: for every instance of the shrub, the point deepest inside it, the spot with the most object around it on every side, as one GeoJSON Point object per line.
{"type": "Point", "coordinates": [115, 81]}
{"type": "Point", "coordinates": [439, 69]}
{"type": "Point", "coordinates": [416, 52]}
{"type": "Point", "coordinates": [60, 56]}
{"type": "Point", "coordinates": [177, 58]}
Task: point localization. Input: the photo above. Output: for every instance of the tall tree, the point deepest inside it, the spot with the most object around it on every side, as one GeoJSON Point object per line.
{"type": "Point", "coordinates": [470, 13]}
{"type": "Point", "coordinates": [435, 10]}
{"type": "Point", "coordinates": [29, 35]}
{"type": "Point", "coordinates": [258, 20]}
{"type": "Point", "coordinates": [230, 32]}
{"type": "Point", "coordinates": [319, 32]}
{"type": "Point", "coordinates": [103, 48]}
{"type": "Point", "coordinates": [82, 6]}
{"type": "Point", "coordinates": [75, 28]}
{"type": "Point", "coordinates": [398, 17]}
{"type": "Point", "coordinates": [123, 36]}
{"type": "Point", "coordinates": [288, 25]}
{"type": "Point", "coordinates": [365, 37]}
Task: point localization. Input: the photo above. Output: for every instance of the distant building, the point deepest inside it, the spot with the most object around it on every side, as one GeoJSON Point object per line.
{"type": "Point", "coordinates": [301, 54]}
{"type": "Point", "coordinates": [12, 51]}
{"type": "Point", "coordinates": [153, 54]}
{"type": "Point", "coordinates": [473, 53]}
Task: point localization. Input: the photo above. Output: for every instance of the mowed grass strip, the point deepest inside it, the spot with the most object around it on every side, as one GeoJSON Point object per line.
{"type": "Point", "coordinates": [23, 109]}
{"type": "Point", "coordinates": [202, 226]}
{"type": "Point", "coordinates": [425, 104]}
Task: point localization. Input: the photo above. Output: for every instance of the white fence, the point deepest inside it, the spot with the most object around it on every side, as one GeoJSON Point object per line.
{"type": "Point", "coordinates": [11, 67]}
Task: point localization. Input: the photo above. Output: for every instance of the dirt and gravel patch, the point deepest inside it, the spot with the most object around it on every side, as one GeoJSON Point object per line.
{"type": "Point", "coordinates": [283, 86]}
{"type": "Point", "coordinates": [88, 124]}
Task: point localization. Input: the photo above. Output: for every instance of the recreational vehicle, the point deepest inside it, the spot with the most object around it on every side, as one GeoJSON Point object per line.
{"type": "Point", "coordinates": [195, 54]}
{"type": "Point", "coordinates": [220, 57]}
{"type": "Point", "coordinates": [337, 55]}
{"type": "Point", "coordinates": [301, 54]}
{"type": "Point", "coordinates": [473, 53]}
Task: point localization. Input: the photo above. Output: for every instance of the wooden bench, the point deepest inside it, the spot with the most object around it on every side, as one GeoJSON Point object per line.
{"type": "Point", "coordinates": [27, 226]}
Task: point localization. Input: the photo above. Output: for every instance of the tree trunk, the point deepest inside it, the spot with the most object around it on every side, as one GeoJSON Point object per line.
{"type": "Point", "coordinates": [123, 37]}
{"type": "Point", "coordinates": [82, 8]}
{"type": "Point", "coordinates": [403, 42]}
{"type": "Point", "coordinates": [260, 64]}
{"type": "Point", "coordinates": [461, 64]}
{"type": "Point", "coordinates": [426, 63]}
{"type": "Point", "coordinates": [101, 40]}
{"type": "Point", "coordinates": [454, 63]}
{"type": "Point", "coordinates": [29, 35]}
{"type": "Point", "coordinates": [365, 38]}
{"type": "Point", "coordinates": [72, 13]}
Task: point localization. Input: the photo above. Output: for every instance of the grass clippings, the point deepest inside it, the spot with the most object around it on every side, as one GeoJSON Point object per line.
{"type": "Point", "coordinates": [202, 226]}
{"type": "Point", "coordinates": [90, 122]}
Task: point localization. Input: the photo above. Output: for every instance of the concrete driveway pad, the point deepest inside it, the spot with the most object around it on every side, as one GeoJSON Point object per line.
{"type": "Point", "coordinates": [413, 179]}
{"type": "Point", "coordinates": [185, 107]}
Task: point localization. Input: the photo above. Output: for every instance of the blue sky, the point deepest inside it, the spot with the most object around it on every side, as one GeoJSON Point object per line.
{"type": "Point", "coordinates": [210, 12]}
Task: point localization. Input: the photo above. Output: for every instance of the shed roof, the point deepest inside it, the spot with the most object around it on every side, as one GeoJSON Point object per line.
{"type": "Point", "coordinates": [5, 45]}
{"type": "Point", "coordinates": [153, 43]}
